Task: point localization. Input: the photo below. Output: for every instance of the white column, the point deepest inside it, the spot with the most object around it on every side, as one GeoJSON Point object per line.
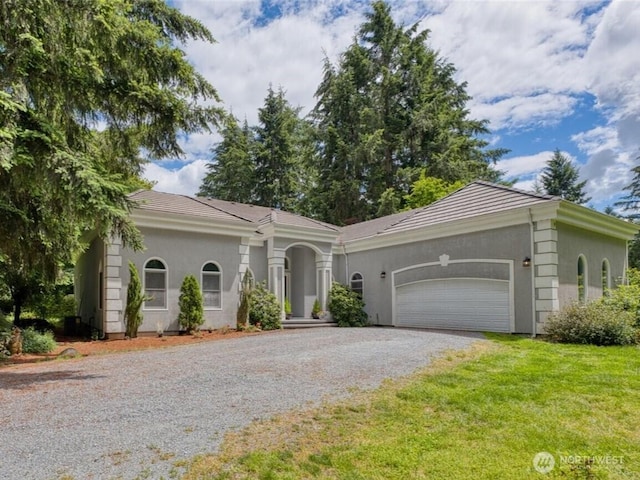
{"type": "Point", "coordinates": [545, 263]}
{"type": "Point", "coordinates": [113, 307]}
{"type": "Point", "coordinates": [275, 261]}
{"type": "Point", "coordinates": [323, 278]}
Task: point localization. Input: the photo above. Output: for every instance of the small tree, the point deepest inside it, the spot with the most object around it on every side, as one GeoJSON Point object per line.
{"type": "Point", "coordinates": [132, 314]}
{"type": "Point", "coordinates": [191, 306]}
{"type": "Point", "coordinates": [242, 317]}
{"type": "Point", "coordinates": [560, 178]}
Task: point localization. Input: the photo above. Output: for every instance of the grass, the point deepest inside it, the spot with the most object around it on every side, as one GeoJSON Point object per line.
{"type": "Point", "coordinates": [479, 414]}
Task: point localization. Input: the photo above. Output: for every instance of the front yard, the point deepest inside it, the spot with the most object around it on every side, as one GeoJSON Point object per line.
{"type": "Point", "coordinates": [481, 413]}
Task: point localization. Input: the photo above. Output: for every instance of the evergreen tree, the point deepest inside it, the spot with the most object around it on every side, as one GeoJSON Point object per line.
{"type": "Point", "coordinates": [631, 201]}
{"type": "Point", "coordinates": [390, 104]}
{"type": "Point", "coordinates": [427, 190]}
{"type": "Point", "coordinates": [276, 162]}
{"type": "Point", "coordinates": [560, 178]}
{"type": "Point", "coordinates": [67, 68]}
{"type": "Point", "coordinates": [231, 173]}
{"type": "Point", "coordinates": [191, 306]}
{"type": "Point", "coordinates": [135, 298]}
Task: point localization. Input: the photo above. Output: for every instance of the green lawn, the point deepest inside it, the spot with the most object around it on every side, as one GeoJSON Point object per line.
{"type": "Point", "coordinates": [479, 414]}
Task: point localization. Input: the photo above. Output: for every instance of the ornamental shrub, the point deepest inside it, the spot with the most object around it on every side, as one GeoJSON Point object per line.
{"type": "Point", "coordinates": [242, 316]}
{"type": "Point", "coordinates": [264, 310]}
{"type": "Point", "coordinates": [132, 314]}
{"type": "Point", "coordinates": [596, 323]}
{"type": "Point", "coordinates": [191, 306]}
{"type": "Point", "coordinates": [346, 306]}
{"type": "Point", "coordinates": [36, 342]}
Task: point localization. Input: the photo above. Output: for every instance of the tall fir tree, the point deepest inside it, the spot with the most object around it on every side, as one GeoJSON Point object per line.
{"type": "Point", "coordinates": [560, 178]}
{"type": "Point", "coordinates": [276, 162]}
{"type": "Point", "coordinates": [231, 172]}
{"type": "Point", "coordinates": [392, 104]}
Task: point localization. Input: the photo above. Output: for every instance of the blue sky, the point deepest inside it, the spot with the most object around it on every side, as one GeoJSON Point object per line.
{"type": "Point", "coordinates": [546, 74]}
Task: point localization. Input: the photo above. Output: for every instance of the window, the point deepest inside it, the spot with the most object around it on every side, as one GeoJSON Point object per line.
{"type": "Point", "coordinates": [357, 284]}
{"type": "Point", "coordinates": [211, 282]}
{"type": "Point", "coordinates": [155, 284]}
{"type": "Point", "coordinates": [582, 279]}
{"type": "Point", "coordinates": [606, 278]}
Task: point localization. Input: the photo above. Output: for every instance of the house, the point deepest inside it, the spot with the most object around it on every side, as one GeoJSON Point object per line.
{"type": "Point", "coordinates": [487, 258]}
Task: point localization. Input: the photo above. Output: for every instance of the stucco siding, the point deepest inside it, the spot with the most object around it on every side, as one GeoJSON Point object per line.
{"type": "Point", "coordinates": [303, 280]}
{"type": "Point", "coordinates": [258, 263]}
{"type": "Point", "coordinates": [573, 242]}
{"type": "Point", "coordinates": [511, 243]}
{"type": "Point", "coordinates": [183, 254]}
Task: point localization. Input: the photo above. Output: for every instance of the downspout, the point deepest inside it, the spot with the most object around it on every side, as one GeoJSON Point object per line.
{"type": "Point", "coordinates": [533, 277]}
{"type": "Point", "coordinates": [346, 264]}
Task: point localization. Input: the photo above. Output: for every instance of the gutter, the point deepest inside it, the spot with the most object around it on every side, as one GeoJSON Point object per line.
{"type": "Point", "coordinates": [533, 277]}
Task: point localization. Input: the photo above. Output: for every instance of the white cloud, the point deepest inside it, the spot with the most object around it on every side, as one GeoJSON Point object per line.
{"type": "Point", "coordinates": [185, 180]}
{"type": "Point", "coordinates": [524, 166]}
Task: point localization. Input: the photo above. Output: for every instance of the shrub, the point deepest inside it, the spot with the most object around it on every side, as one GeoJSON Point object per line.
{"type": "Point", "coordinates": [191, 306]}
{"type": "Point", "coordinates": [132, 315]}
{"type": "Point", "coordinates": [265, 309]}
{"type": "Point", "coordinates": [346, 307]}
{"type": "Point", "coordinates": [36, 342]}
{"type": "Point", "coordinates": [316, 309]}
{"type": "Point", "coordinates": [596, 323]}
{"type": "Point", "coordinates": [626, 297]}
{"type": "Point", "coordinates": [242, 316]}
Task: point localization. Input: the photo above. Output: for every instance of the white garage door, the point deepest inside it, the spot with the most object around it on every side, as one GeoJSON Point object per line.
{"type": "Point", "coordinates": [457, 303]}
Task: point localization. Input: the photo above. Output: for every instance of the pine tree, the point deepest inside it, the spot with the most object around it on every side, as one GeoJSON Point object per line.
{"type": "Point", "coordinates": [135, 298]}
{"type": "Point", "coordinates": [390, 104]}
{"type": "Point", "coordinates": [191, 306]}
{"type": "Point", "coordinates": [231, 173]}
{"type": "Point", "coordinates": [276, 163]}
{"type": "Point", "coordinates": [560, 178]}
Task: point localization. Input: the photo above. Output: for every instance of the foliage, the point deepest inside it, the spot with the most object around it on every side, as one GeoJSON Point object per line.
{"type": "Point", "coordinates": [287, 306]}
{"type": "Point", "coordinates": [37, 342]}
{"type": "Point", "coordinates": [230, 174]}
{"type": "Point", "coordinates": [265, 309]}
{"type": "Point", "coordinates": [631, 201]}
{"type": "Point", "coordinates": [87, 87]}
{"type": "Point", "coordinates": [626, 297]}
{"type": "Point", "coordinates": [389, 203]}
{"type": "Point", "coordinates": [242, 316]}
{"type": "Point", "coordinates": [346, 307]}
{"type": "Point", "coordinates": [391, 103]}
{"type": "Point", "coordinates": [560, 178]}
{"type": "Point", "coordinates": [316, 308]}
{"type": "Point", "coordinates": [595, 323]}
{"type": "Point", "coordinates": [135, 299]}
{"type": "Point", "coordinates": [191, 306]}
{"type": "Point", "coordinates": [427, 190]}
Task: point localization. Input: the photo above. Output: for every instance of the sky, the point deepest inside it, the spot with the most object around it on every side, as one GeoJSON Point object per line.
{"type": "Point", "coordinates": [546, 74]}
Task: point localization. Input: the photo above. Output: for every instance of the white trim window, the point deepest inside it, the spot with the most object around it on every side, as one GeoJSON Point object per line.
{"type": "Point", "coordinates": [582, 279]}
{"type": "Point", "coordinates": [606, 277]}
{"type": "Point", "coordinates": [155, 284]}
{"type": "Point", "coordinates": [211, 286]}
{"type": "Point", "coordinates": [357, 283]}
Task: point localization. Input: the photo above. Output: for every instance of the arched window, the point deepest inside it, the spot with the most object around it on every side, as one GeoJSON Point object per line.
{"type": "Point", "coordinates": [582, 279]}
{"type": "Point", "coordinates": [211, 286]}
{"type": "Point", "coordinates": [357, 283]}
{"type": "Point", "coordinates": [155, 284]}
{"type": "Point", "coordinates": [606, 277]}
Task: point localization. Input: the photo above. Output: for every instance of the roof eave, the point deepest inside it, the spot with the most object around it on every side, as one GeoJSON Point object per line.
{"type": "Point", "coordinates": [588, 219]}
{"type": "Point", "coordinates": [191, 223]}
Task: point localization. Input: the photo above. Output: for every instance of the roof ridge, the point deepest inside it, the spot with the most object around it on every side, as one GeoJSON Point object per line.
{"type": "Point", "coordinates": [499, 186]}
{"type": "Point", "coordinates": [196, 199]}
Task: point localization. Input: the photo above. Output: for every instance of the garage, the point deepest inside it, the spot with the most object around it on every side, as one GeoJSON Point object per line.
{"type": "Point", "coordinates": [477, 304]}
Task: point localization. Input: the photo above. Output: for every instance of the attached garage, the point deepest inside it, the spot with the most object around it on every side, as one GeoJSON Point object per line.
{"type": "Point", "coordinates": [478, 304]}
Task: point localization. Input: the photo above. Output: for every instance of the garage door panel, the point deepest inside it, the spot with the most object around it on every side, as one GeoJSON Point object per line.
{"type": "Point", "coordinates": [462, 304]}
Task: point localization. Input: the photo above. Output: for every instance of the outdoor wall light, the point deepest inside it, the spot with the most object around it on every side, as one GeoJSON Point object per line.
{"type": "Point", "coordinates": [526, 262]}
{"type": "Point", "coordinates": [383, 274]}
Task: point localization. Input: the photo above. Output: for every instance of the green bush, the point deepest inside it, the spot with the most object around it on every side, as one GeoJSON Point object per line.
{"type": "Point", "coordinates": [265, 309]}
{"type": "Point", "coordinates": [36, 342]}
{"type": "Point", "coordinates": [135, 298]}
{"type": "Point", "coordinates": [346, 307]}
{"type": "Point", "coordinates": [596, 323]}
{"type": "Point", "coordinates": [191, 306]}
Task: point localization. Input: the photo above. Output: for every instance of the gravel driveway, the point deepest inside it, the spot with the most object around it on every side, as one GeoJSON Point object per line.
{"type": "Point", "coordinates": [132, 415]}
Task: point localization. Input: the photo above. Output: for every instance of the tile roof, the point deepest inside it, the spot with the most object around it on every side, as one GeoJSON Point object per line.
{"type": "Point", "coordinates": [475, 199]}
{"type": "Point", "coordinates": [223, 210]}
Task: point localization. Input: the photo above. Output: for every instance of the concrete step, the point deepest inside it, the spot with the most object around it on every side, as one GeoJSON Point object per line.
{"type": "Point", "coordinates": [307, 323]}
